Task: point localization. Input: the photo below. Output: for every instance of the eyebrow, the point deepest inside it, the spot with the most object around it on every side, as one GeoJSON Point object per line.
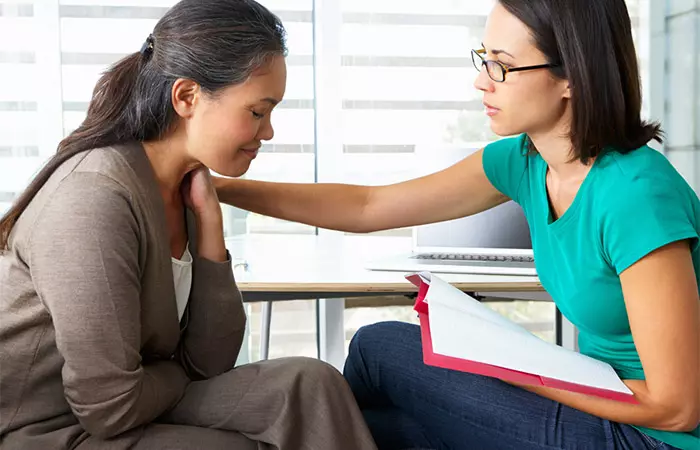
{"type": "Point", "coordinates": [270, 100]}
{"type": "Point", "coordinates": [498, 51]}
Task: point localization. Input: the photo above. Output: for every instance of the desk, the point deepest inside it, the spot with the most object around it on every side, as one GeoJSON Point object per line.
{"type": "Point", "coordinates": [329, 267]}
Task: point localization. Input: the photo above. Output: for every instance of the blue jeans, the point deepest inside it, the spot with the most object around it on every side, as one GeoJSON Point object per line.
{"type": "Point", "coordinates": [409, 405]}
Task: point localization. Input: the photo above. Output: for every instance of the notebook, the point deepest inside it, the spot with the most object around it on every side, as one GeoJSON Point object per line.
{"type": "Point", "coordinates": [460, 333]}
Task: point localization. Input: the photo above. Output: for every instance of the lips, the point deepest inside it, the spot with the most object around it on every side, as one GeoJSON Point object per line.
{"type": "Point", "coordinates": [491, 110]}
{"type": "Point", "coordinates": [251, 152]}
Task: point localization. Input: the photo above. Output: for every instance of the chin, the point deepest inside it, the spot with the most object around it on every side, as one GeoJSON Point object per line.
{"type": "Point", "coordinates": [232, 170]}
{"type": "Point", "coordinates": [502, 129]}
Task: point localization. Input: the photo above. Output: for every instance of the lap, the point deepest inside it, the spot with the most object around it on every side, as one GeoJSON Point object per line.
{"type": "Point", "coordinates": [299, 403]}
{"type": "Point", "coordinates": [171, 437]}
{"type": "Point", "coordinates": [461, 407]}
{"type": "Point", "coordinates": [240, 396]}
{"type": "Point", "coordinates": [182, 437]}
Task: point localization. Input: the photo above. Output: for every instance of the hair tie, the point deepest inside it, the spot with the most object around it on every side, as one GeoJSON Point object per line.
{"type": "Point", "coordinates": [147, 47]}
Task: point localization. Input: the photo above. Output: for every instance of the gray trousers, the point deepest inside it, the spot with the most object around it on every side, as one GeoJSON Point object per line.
{"type": "Point", "coordinates": [280, 404]}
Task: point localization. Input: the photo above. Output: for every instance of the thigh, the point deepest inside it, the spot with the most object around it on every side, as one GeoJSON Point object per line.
{"type": "Point", "coordinates": [393, 429]}
{"type": "Point", "coordinates": [295, 403]}
{"type": "Point", "coordinates": [385, 369]}
{"type": "Point", "coordinates": [182, 437]}
{"type": "Point", "coordinates": [171, 437]}
{"type": "Point", "coordinates": [249, 397]}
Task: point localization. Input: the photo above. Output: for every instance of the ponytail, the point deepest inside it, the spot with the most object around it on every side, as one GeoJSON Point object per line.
{"type": "Point", "coordinates": [103, 126]}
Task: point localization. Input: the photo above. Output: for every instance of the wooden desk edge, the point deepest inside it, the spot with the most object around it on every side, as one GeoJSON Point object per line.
{"type": "Point", "coordinates": [384, 287]}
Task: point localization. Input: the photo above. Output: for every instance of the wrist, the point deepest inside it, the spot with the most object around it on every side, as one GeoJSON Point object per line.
{"type": "Point", "coordinates": [209, 215]}
{"type": "Point", "coordinates": [222, 186]}
{"type": "Point", "coordinates": [210, 236]}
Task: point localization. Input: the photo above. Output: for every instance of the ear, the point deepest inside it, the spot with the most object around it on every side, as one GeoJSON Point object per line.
{"type": "Point", "coordinates": [567, 90]}
{"type": "Point", "coordinates": [185, 96]}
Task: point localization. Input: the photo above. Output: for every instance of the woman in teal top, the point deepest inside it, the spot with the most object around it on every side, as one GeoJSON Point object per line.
{"type": "Point", "coordinates": [615, 237]}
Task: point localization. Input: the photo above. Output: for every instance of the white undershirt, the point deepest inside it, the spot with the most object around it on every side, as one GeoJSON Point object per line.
{"type": "Point", "coordinates": [182, 275]}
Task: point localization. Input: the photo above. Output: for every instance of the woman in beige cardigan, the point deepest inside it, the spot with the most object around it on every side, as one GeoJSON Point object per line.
{"type": "Point", "coordinates": [121, 320]}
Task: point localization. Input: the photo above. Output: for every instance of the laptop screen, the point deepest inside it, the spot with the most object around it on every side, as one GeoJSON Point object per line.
{"type": "Point", "coordinates": [503, 227]}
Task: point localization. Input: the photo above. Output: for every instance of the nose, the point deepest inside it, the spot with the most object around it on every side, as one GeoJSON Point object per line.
{"type": "Point", "coordinates": [483, 82]}
{"type": "Point", "coordinates": [266, 132]}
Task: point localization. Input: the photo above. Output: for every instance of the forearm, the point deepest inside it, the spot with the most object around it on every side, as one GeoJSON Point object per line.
{"type": "Point", "coordinates": [210, 235]}
{"type": "Point", "coordinates": [646, 413]}
{"type": "Point", "coordinates": [215, 315]}
{"type": "Point", "coordinates": [324, 205]}
{"type": "Point", "coordinates": [129, 400]}
{"type": "Point", "coordinates": [214, 336]}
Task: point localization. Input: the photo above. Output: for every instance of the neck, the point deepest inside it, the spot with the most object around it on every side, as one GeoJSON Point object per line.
{"type": "Point", "coordinates": [168, 157]}
{"type": "Point", "coordinates": [555, 147]}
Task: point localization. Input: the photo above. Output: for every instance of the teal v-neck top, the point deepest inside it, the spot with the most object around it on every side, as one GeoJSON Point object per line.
{"type": "Point", "coordinates": [627, 206]}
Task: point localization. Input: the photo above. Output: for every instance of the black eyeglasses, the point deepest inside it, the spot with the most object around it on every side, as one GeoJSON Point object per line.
{"type": "Point", "coordinates": [497, 70]}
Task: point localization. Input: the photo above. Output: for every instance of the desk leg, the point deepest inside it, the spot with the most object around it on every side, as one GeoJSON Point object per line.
{"type": "Point", "coordinates": [569, 335]}
{"type": "Point", "coordinates": [266, 322]}
{"type": "Point", "coordinates": [331, 321]}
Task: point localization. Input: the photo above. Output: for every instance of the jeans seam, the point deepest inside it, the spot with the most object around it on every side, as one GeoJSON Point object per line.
{"type": "Point", "coordinates": [653, 442]}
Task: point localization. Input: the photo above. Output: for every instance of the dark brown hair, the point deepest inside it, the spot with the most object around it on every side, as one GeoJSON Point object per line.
{"type": "Point", "coordinates": [591, 41]}
{"type": "Point", "coordinates": [216, 43]}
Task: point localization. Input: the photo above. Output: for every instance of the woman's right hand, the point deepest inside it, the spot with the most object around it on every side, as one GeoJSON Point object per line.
{"type": "Point", "coordinates": [200, 197]}
{"type": "Point", "coordinates": [199, 194]}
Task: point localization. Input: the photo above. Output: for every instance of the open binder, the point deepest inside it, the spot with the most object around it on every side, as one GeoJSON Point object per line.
{"type": "Point", "coordinates": [460, 333]}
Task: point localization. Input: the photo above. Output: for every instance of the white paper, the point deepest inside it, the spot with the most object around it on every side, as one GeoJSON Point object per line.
{"type": "Point", "coordinates": [461, 327]}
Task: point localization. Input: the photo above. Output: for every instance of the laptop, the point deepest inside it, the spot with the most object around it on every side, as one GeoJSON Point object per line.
{"type": "Point", "coordinates": [496, 241]}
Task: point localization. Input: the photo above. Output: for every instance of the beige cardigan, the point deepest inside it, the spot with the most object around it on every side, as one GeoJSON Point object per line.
{"type": "Point", "coordinates": [89, 333]}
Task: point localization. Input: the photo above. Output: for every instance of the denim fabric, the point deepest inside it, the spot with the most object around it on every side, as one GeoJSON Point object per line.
{"type": "Point", "coordinates": [409, 405]}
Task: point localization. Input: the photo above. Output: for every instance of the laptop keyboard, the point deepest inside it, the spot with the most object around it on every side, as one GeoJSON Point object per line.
{"type": "Point", "coordinates": [448, 257]}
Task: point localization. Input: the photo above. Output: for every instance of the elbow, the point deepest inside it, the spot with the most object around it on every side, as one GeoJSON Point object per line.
{"type": "Point", "coordinates": [106, 412]}
{"type": "Point", "coordinates": [687, 421]}
{"type": "Point", "coordinates": [97, 423]}
{"type": "Point", "coordinates": [359, 228]}
{"type": "Point", "coordinates": [364, 223]}
{"type": "Point", "coordinates": [210, 357]}
{"type": "Point", "coordinates": [681, 418]}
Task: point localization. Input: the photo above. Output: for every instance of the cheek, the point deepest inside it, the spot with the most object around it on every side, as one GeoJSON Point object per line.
{"type": "Point", "coordinates": [528, 106]}
{"type": "Point", "coordinates": [214, 139]}
{"type": "Point", "coordinates": [222, 131]}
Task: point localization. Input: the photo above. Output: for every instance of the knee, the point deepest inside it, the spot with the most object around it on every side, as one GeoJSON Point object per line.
{"type": "Point", "coordinates": [371, 338]}
{"type": "Point", "coordinates": [314, 371]}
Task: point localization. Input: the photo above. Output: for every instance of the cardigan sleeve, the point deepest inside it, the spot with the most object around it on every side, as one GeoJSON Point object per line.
{"type": "Point", "coordinates": [83, 258]}
{"type": "Point", "coordinates": [215, 316]}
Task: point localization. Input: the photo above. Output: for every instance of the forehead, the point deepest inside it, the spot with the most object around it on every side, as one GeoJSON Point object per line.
{"type": "Point", "coordinates": [506, 32]}
{"type": "Point", "coordinates": [267, 81]}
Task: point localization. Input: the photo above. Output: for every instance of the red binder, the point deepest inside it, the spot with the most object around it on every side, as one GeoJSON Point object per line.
{"type": "Point", "coordinates": [434, 359]}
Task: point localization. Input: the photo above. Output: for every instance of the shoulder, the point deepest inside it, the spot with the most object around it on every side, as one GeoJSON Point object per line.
{"type": "Point", "coordinates": [643, 203]}
{"type": "Point", "coordinates": [119, 163]}
{"type": "Point", "coordinates": [89, 199]}
{"type": "Point", "coordinates": [120, 170]}
{"type": "Point", "coordinates": [643, 161]}
{"type": "Point", "coordinates": [643, 175]}
{"type": "Point", "coordinates": [87, 188]}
